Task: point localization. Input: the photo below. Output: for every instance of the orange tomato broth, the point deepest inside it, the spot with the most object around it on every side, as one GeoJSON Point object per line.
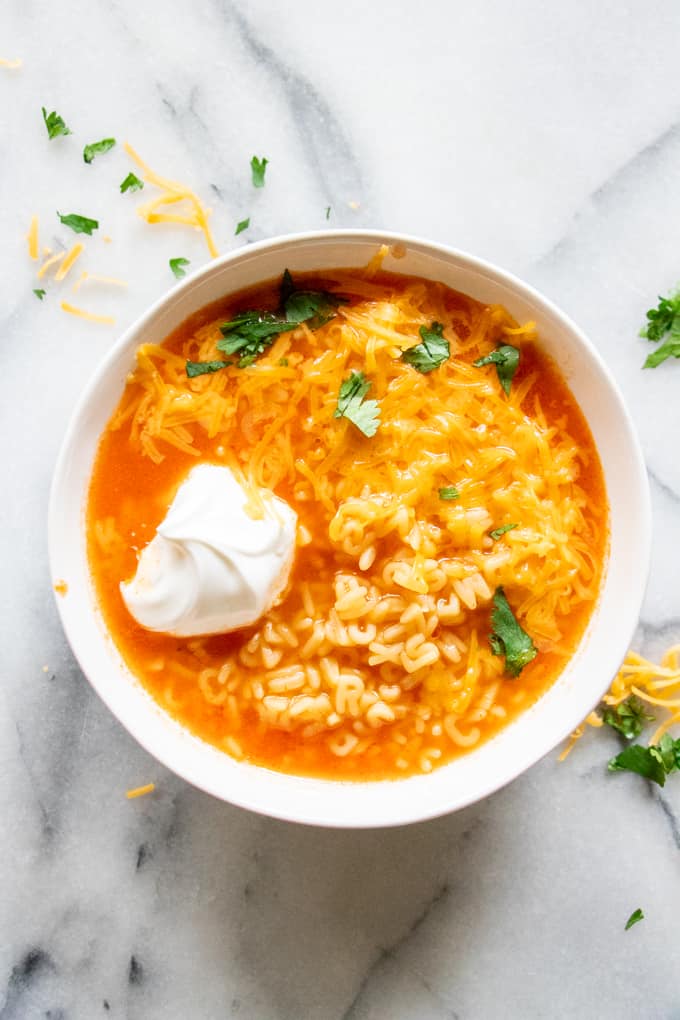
{"type": "Point", "coordinates": [131, 490]}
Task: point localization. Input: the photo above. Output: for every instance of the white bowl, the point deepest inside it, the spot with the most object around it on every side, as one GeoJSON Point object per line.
{"type": "Point", "coordinates": [514, 749]}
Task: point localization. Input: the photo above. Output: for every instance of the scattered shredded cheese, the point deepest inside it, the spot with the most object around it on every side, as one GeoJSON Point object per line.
{"type": "Point", "coordinates": [11, 65]}
{"type": "Point", "coordinates": [61, 587]}
{"type": "Point", "coordinates": [32, 238]}
{"type": "Point", "coordinates": [192, 214]}
{"type": "Point", "coordinates": [86, 277]}
{"type": "Point", "coordinates": [81, 313]}
{"type": "Point", "coordinates": [74, 254]}
{"type": "Point", "coordinates": [657, 685]}
{"type": "Point", "coordinates": [140, 791]}
{"type": "Point", "coordinates": [48, 263]}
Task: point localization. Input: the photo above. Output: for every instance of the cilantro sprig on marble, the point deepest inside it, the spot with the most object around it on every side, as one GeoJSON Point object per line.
{"type": "Point", "coordinates": [364, 414]}
{"type": "Point", "coordinates": [508, 638]}
{"type": "Point", "coordinates": [663, 321]}
{"type": "Point", "coordinates": [55, 124]}
{"type": "Point", "coordinates": [251, 332]}
{"type": "Point", "coordinates": [97, 149]}
{"type": "Point", "coordinates": [628, 717]}
{"type": "Point", "coordinates": [655, 762]}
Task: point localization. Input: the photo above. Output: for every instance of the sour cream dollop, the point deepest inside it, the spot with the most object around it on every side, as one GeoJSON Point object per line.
{"type": "Point", "coordinates": [211, 567]}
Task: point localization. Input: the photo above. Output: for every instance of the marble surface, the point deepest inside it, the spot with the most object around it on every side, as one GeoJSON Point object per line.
{"type": "Point", "coordinates": [545, 137]}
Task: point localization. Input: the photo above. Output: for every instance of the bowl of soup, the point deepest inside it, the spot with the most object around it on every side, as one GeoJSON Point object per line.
{"type": "Point", "coordinates": [350, 528]}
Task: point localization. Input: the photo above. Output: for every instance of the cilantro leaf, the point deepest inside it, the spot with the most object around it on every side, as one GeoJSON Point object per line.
{"type": "Point", "coordinates": [660, 319]}
{"type": "Point", "coordinates": [506, 360]}
{"type": "Point", "coordinates": [497, 532]}
{"type": "Point", "coordinates": [663, 319]}
{"type": "Point", "coordinates": [328, 212]}
{"type": "Point", "coordinates": [98, 148]}
{"type": "Point", "coordinates": [508, 638]}
{"type": "Point", "coordinates": [55, 124]}
{"type": "Point", "coordinates": [315, 307]}
{"type": "Point", "coordinates": [449, 492]}
{"type": "Point", "coordinates": [79, 224]}
{"type": "Point", "coordinates": [365, 414]}
{"type": "Point", "coordinates": [636, 916]}
{"type": "Point", "coordinates": [177, 267]}
{"type": "Point", "coordinates": [257, 170]}
{"type": "Point", "coordinates": [195, 368]}
{"type": "Point", "coordinates": [283, 362]}
{"type": "Point", "coordinates": [287, 287]}
{"type": "Point", "coordinates": [670, 348]}
{"type": "Point", "coordinates": [628, 717]}
{"type": "Point", "coordinates": [654, 762]}
{"type": "Point", "coordinates": [40, 294]}
{"type": "Point", "coordinates": [241, 226]}
{"type": "Point", "coordinates": [251, 332]}
{"type": "Point", "coordinates": [433, 350]}
{"type": "Point", "coordinates": [131, 183]}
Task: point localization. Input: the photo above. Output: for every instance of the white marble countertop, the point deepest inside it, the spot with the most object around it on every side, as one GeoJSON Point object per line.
{"type": "Point", "coordinates": [545, 137]}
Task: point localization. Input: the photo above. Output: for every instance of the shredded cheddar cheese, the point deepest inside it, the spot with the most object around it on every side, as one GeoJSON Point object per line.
{"type": "Point", "coordinates": [140, 791]}
{"type": "Point", "coordinates": [85, 277]}
{"type": "Point", "coordinates": [32, 238]}
{"type": "Point", "coordinates": [75, 253]}
{"type": "Point", "coordinates": [657, 685]}
{"type": "Point", "coordinates": [61, 587]}
{"type": "Point", "coordinates": [82, 313]}
{"type": "Point", "coordinates": [189, 210]}
{"type": "Point", "coordinates": [49, 262]}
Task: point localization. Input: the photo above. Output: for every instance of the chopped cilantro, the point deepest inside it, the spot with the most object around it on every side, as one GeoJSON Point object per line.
{"type": "Point", "coordinates": [40, 294]}
{"type": "Point", "coordinates": [506, 360]}
{"type": "Point", "coordinates": [283, 362]}
{"type": "Point", "coordinates": [508, 638]}
{"type": "Point", "coordinates": [365, 414]}
{"type": "Point", "coordinates": [431, 352]}
{"type": "Point", "coordinates": [636, 916]}
{"type": "Point", "coordinates": [242, 225]}
{"type": "Point", "coordinates": [449, 492]}
{"type": "Point", "coordinates": [250, 333]}
{"type": "Point", "coordinates": [195, 368]}
{"type": "Point", "coordinates": [131, 183]}
{"type": "Point", "coordinates": [79, 224]}
{"type": "Point", "coordinates": [654, 762]}
{"type": "Point", "coordinates": [177, 267]}
{"type": "Point", "coordinates": [98, 148]}
{"type": "Point", "coordinates": [55, 124]}
{"type": "Point", "coordinates": [663, 319]}
{"type": "Point", "coordinates": [257, 169]}
{"type": "Point", "coordinates": [497, 532]}
{"type": "Point", "coordinates": [315, 307]}
{"type": "Point", "coordinates": [628, 717]}
{"type": "Point", "coordinates": [328, 212]}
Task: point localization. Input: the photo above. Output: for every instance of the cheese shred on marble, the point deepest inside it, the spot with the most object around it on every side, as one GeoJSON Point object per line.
{"type": "Point", "coordinates": [82, 313]}
{"type": "Point", "coordinates": [655, 685]}
{"type": "Point", "coordinates": [189, 209]}
{"type": "Point", "coordinates": [140, 791]}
